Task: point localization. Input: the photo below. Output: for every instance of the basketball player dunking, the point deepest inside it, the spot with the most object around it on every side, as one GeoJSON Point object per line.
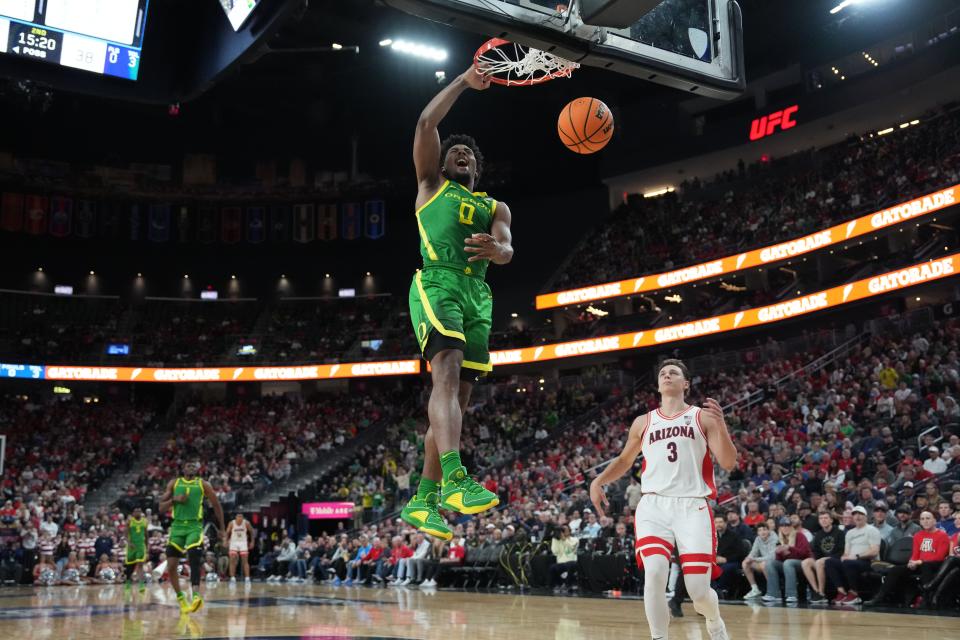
{"type": "Point", "coordinates": [677, 480]}
{"type": "Point", "coordinates": [451, 306]}
{"type": "Point", "coordinates": [240, 535]}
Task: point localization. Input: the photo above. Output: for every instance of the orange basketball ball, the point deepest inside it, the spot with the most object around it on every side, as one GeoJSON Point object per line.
{"type": "Point", "coordinates": [585, 125]}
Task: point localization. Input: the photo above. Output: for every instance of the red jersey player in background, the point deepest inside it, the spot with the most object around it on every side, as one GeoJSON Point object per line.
{"type": "Point", "coordinates": [677, 481]}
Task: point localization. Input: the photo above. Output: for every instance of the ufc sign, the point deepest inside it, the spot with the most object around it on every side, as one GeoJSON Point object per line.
{"type": "Point", "coordinates": [765, 126]}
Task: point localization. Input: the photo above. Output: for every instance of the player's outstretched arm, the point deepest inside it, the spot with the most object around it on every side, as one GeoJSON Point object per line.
{"type": "Point", "coordinates": [426, 140]}
{"type": "Point", "coordinates": [496, 246]}
{"type": "Point", "coordinates": [620, 465]}
{"type": "Point", "coordinates": [718, 437]}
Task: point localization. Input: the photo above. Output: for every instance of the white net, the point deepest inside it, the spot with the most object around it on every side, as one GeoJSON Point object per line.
{"type": "Point", "coordinates": [513, 64]}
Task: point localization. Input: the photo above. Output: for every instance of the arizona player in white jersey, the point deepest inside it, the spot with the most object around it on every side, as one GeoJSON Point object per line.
{"type": "Point", "coordinates": [677, 481]}
{"type": "Point", "coordinates": [240, 535]}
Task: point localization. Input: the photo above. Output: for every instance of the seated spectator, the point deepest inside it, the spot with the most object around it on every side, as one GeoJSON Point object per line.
{"type": "Point", "coordinates": [880, 521]}
{"type": "Point", "coordinates": [827, 543]}
{"type": "Point", "coordinates": [730, 553]}
{"type": "Point", "coordinates": [934, 463]}
{"type": "Point", "coordinates": [861, 545]}
{"type": "Point", "coordinates": [590, 529]}
{"type": "Point", "coordinates": [565, 550]}
{"type": "Point", "coordinates": [905, 527]}
{"type": "Point", "coordinates": [353, 567]}
{"type": "Point", "coordinates": [339, 560]}
{"type": "Point", "coordinates": [946, 519]}
{"type": "Point", "coordinates": [930, 548]}
{"type": "Point", "coordinates": [737, 525]}
{"type": "Point", "coordinates": [399, 553]}
{"type": "Point", "coordinates": [753, 516]}
{"type": "Point", "coordinates": [790, 554]}
{"type": "Point", "coordinates": [944, 588]}
{"type": "Point", "coordinates": [763, 551]}
{"type": "Point", "coordinates": [370, 561]}
{"type": "Point", "coordinates": [424, 563]}
{"type": "Point", "coordinates": [11, 563]}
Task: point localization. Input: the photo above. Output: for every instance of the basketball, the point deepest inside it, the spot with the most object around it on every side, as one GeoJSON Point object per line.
{"type": "Point", "coordinates": [585, 125]}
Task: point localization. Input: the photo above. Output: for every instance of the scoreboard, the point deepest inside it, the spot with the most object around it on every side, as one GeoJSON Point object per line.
{"type": "Point", "coordinates": [101, 36]}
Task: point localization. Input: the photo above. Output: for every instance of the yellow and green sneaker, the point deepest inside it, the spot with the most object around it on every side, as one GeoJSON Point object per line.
{"type": "Point", "coordinates": [464, 494]}
{"type": "Point", "coordinates": [184, 605]}
{"type": "Point", "coordinates": [423, 515]}
{"type": "Point", "coordinates": [196, 604]}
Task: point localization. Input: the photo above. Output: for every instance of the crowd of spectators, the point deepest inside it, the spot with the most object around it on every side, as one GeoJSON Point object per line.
{"type": "Point", "coordinates": [821, 456]}
{"type": "Point", "coordinates": [57, 451]}
{"type": "Point", "coordinates": [850, 178]}
{"type": "Point", "coordinates": [249, 445]}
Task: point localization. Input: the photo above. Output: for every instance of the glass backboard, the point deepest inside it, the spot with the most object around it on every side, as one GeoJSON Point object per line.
{"type": "Point", "coordinates": [693, 45]}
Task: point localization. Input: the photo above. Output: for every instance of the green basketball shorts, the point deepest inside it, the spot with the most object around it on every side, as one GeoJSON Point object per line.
{"type": "Point", "coordinates": [451, 310]}
{"type": "Point", "coordinates": [185, 535]}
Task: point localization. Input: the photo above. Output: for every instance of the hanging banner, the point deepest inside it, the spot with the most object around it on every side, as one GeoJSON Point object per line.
{"type": "Point", "coordinates": [351, 221]}
{"type": "Point", "coordinates": [374, 219]}
{"type": "Point", "coordinates": [327, 221]}
{"type": "Point", "coordinates": [158, 226]}
{"type": "Point", "coordinates": [85, 219]}
{"type": "Point", "coordinates": [207, 224]}
{"type": "Point", "coordinates": [231, 225]}
{"type": "Point", "coordinates": [256, 224]}
{"type": "Point", "coordinates": [280, 223]}
{"type": "Point", "coordinates": [304, 223]}
{"type": "Point", "coordinates": [11, 212]}
{"type": "Point", "coordinates": [135, 222]}
{"type": "Point", "coordinates": [35, 216]}
{"type": "Point", "coordinates": [61, 215]}
{"type": "Point", "coordinates": [109, 220]}
{"type": "Point", "coordinates": [184, 224]}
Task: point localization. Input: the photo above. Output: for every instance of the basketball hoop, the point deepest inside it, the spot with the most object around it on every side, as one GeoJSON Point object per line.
{"type": "Point", "coordinates": [515, 65]}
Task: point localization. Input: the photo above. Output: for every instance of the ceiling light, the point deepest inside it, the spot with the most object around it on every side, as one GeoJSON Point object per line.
{"type": "Point", "coordinates": [843, 5]}
{"type": "Point", "coordinates": [419, 50]}
{"type": "Point", "coordinates": [336, 46]}
{"type": "Point", "coordinates": [658, 192]}
{"type": "Point", "coordinates": [884, 132]}
{"type": "Point", "coordinates": [92, 272]}
{"type": "Point", "coordinates": [386, 42]}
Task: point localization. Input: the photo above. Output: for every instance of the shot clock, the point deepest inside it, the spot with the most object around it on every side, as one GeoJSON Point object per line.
{"type": "Point", "coordinates": [100, 36]}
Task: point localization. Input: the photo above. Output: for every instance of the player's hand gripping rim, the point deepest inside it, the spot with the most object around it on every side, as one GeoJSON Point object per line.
{"type": "Point", "coordinates": [476, 78]}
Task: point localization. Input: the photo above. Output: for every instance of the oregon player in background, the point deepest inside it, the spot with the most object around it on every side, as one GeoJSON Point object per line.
{"type": "Point", "coordinates": [136, 548]}
{"type": "Point", "coordinates": [186, 495]}
{"type": "Point", "coordinates": [451, 306]}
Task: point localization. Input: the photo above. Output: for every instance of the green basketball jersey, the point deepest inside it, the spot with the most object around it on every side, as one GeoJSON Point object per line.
{"type": "Point", "coordinates": [137, 532]}
{"type": "Point", "coordinates": [192, 509]}
{"type": "Point", "coordinates": [450, 216]}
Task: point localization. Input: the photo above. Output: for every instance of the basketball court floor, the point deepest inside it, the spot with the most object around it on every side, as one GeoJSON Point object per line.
{"type": "Point", "coordinates": [320, 612]}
